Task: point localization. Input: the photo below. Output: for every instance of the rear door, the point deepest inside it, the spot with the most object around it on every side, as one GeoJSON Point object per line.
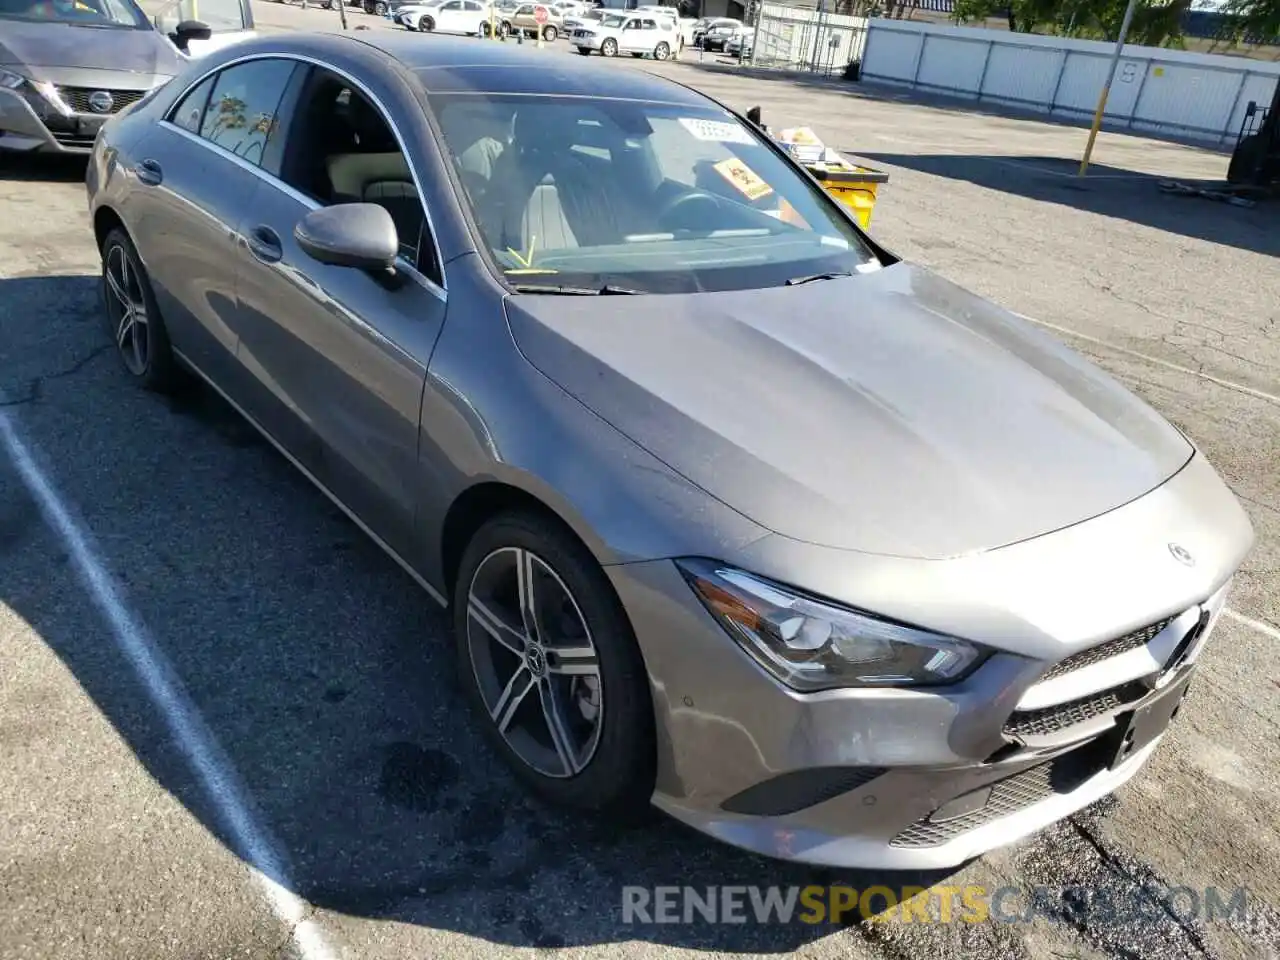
{"type": "Point", "coordinates": [230, 20]}
{"type": "Point", "coordinates": [196, 171]}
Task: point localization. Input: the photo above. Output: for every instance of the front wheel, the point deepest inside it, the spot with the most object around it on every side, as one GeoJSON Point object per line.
{"type": "Point", "coordinates": [549, 34]}
{"type": "Point", "coordinates": [549, 662]}
{"type": "Point", "coordinates": [484, 30]}
{"type": "Point", "coordinates": [426, 24]}
{"type": "Point", "coordinates": [662, 52]}
{"type": "Point", "coordinates": [610, 47]}
{"type": "Point", "coordinates": [380, 9]}
{"type": "Point", "coordinates": [504, 30]}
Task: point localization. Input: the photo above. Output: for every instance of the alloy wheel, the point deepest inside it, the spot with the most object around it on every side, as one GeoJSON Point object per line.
{"type": "Point", "coordinates": [609, 48]}
{"type": "Point", "coordinates": [662, 52]}
{"type": "Point", "coordinates": [127, 306]}
{"type": "Point", "coordinates": [534, 662]}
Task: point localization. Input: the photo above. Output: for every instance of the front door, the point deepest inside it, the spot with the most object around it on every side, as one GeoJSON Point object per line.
{"type": "Point", "coordinates": [337, 357]}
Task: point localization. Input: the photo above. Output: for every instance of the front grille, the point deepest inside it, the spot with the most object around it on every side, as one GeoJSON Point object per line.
{"type": "Point", "coordinates": [1049, 720]}
{"type": "Point", "coordinates": [77, 98]}
{"type": "Point", "coordinates": [1060, 775]}
{"type": "Point", "coordinates": [1107, 649]}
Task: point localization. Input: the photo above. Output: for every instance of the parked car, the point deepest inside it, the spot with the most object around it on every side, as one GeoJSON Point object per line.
{"type": "Point", "coordinates": [66, 67]}
{"type": "Point", "coordinates": [735, 512]}
{"type": "Point", "coordinates": [637, 34]}
{"type": "Point", "coordinates": [468, 17]}
{"type": "Point", "coordinates": [740, 44]}
{"type": "Point", "coordinates": [587, 18]}
{"type": "Point", "coordinates": [716, 33]}
{"type": "Point", "coordinates": [523, 21]}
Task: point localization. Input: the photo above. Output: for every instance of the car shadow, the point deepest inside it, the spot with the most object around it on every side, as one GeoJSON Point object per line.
{"type": "Point", "coordinates": [1110, 192]}
{"type": "Point", "coordinates": [322, 672]}
{"type": "Point", "coordinates": [60, 168]}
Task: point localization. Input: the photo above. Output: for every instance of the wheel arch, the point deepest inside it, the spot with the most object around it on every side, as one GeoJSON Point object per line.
{"type": "Point", "coordinates": [105, 219]}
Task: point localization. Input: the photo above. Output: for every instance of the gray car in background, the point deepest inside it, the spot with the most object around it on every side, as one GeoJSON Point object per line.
{"type": "Point", "coordinates": [736, 513]}
{"type": "Point", "coordinates": [68, 65]}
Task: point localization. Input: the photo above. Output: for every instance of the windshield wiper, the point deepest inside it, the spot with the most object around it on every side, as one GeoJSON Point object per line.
{"type": "Point", "coordinates": [607, 289]}
{"type": "Point", "coordinates": [833, 275]}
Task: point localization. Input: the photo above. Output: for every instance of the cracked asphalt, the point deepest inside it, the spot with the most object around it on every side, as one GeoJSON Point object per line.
{"type": "Point", "coordinates": [325, 678]}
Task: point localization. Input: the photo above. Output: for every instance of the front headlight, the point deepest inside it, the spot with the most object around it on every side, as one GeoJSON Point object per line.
{"type": "Point", "coordinates": [812, 645]}
{"type": "Point", "coordinates": [10, 80]}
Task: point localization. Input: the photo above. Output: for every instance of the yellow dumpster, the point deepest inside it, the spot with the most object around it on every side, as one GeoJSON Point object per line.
{"type": "Point", "coordinates": [852, 185]}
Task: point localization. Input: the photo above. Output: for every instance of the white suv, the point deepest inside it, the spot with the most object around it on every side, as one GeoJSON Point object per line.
{"type": "Point", "coordinates": [634, 33]}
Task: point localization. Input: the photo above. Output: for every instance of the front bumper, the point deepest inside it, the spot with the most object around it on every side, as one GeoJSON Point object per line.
{"type": "Point", "coordinates": [1083, 621]}
{"type": "Point", "coordinates": [593, 41]}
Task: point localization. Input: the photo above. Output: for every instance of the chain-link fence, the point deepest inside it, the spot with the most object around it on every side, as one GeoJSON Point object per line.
{"type": "Point", "coordinates": [809, 41]}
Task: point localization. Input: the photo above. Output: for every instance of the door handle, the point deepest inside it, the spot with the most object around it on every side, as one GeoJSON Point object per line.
{"type": "Point", "coordinates": [149, 172]}
{"type": "Point", "coordinates": [264, 244]}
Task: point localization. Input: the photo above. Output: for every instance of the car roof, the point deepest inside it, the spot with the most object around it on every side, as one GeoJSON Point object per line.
{"type": "Point", "coordinates": [461, 64]}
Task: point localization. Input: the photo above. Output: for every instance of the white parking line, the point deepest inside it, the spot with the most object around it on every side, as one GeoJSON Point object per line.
{"type": "Point", "coordinates": [1168, 365]}
{"type": "Point", "coordinates": [1261, 626]}
{"type": "Point", "coordinates": [216, 774]}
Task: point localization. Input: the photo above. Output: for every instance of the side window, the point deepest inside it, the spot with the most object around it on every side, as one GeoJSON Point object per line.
{"type": "Point", "coordinates": [241, 116]}
{"type": "Point", "coordinates": [452, 5]}
{"type": "Point", "coordinates": [650, 24]}
{"type": "Point", "coordinates": [342, 150]}
{"type": "Point", "coordinates": [189, 113]}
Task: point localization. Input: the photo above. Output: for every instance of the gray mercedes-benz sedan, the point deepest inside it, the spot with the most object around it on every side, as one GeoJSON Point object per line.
{"type": "Point", "coordinates": [736, 513]}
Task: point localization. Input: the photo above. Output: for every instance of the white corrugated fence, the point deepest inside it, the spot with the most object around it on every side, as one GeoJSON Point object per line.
{"type": "Point", "coordinates": [1199, 96]}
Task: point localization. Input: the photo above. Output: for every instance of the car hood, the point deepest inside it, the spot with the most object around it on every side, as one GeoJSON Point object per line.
{"type": "Point", "coordinates": [67, 48]}
{"type": "Point", "coordinates": [891, 413]}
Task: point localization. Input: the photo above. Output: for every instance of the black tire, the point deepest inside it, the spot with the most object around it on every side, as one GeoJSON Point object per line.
{"type": "Point", "coordinates": [585, 51]}
{"type": "Point", "coordinates": [484, 30]}
{"type": "Point", "coordinates": [609, 48]}
{"type": "Point", "coordinates": [1246, 161]}
{"type": "Point", "coordinates": [380, 9]}
{"type": "Point", "coordinates": [549, 33]}
{"type": "Point", "coordinates": [504, 29]}
{"type": "Point", "coordinates": [160, 371]}
{"type": "Point", "coordinates": [617, 782]}
{"type": "Point", "coordinates": [426, 24]}
{"type": "Point", "coordinates": [662, 51]}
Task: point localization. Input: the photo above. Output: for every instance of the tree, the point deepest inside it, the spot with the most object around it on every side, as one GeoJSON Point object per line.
{"type": "Point", "coordinates": [1255, 21]}
{"type": "Point", "coordinates": [1154, 23]}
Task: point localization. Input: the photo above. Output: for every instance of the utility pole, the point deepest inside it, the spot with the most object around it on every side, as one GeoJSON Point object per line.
{"type": "Point", "coordinates": [1106, 87]}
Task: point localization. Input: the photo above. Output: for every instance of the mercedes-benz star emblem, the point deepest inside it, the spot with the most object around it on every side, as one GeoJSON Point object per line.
{"type": "Point", "coordinates": [101, 102]}
{"type": "Point", "coordinates": [1182, 554]}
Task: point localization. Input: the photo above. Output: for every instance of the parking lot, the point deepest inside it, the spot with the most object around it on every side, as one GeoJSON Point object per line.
{"type": "Point", "coordinates": [242, 738]}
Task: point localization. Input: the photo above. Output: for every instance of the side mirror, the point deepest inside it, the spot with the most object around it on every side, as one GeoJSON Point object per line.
{"type": "Point", "coordinates": [360, 235]}
{"type": "Point", "coordinates": [187, 31]}
{"type": "Point", "coordinates": [753, 115]}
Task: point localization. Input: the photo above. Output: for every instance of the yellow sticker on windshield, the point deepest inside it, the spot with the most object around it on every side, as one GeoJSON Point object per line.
{"type": "Point", "coordinates": [743, 178]}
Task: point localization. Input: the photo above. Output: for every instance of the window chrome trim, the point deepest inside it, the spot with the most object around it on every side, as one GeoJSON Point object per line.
{"type": "Point", "coordinates": [441, 289]}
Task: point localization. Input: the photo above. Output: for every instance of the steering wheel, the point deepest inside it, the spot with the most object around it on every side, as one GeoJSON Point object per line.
{"type": "Point", "coordinates": [688, 210]}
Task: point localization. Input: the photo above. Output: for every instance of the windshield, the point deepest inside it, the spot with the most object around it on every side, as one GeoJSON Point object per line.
{"type": "Point", "coordinates": [613, 20]}
{"type": "Point", "coordinates": [651, 196]}
{"type": "Point", "coordinates": [88, 13]}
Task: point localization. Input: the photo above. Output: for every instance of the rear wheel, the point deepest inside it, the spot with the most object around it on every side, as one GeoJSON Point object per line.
{"type": "Point", "coordinates": [133, 319]}
{"type": "Point", "coordinates": [380, 9]}
{"type": "Point", "coordinates": [610, 47]}
{"type": "Point", "coordinates": [484, 29]}
{"type": "Point", "coordinates": [426, 24]}
{"type": "Point", "coordinates": [662, 52]}
{"type": "Point", "coordinates": [548, 659]}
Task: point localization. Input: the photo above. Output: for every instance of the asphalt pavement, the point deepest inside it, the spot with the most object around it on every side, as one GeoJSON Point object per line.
{"type": "Point", "coordinates": [228, 722]}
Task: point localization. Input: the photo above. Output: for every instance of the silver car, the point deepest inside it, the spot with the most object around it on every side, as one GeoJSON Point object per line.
{"type": "Point", "coordinates": [68, 65]}
{"type": "Point", "coordinates": [736, 513]}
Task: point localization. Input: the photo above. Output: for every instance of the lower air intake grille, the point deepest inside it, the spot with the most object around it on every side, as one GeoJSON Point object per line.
{"type": "Point", "coordinates": [1060, 775]}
